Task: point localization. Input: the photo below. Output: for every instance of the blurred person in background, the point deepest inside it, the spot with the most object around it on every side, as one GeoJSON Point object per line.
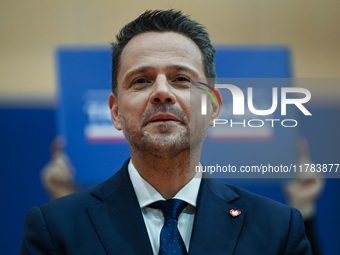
{"type": "Point", "coordinates": [57, 177]}
{"type": "Point", "coordinates": [304, 191]}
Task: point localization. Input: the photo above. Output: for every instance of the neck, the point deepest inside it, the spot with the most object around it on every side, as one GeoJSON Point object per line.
{"type": "Point", "coordinates": [167, 175]}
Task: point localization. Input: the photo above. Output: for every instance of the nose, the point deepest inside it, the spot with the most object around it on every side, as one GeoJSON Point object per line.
{"type": "Point", "coordinates": [161, 92]}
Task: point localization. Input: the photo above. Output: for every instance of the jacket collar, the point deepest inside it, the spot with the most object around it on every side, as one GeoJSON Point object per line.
{"type": "Point", "coordinates": [118, 218]}
{"type": "Point", "coordinates": [215, 230]}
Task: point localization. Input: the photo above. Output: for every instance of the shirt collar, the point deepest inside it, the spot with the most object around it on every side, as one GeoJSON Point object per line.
{"type": "Point", "coordinates": [146, 194]}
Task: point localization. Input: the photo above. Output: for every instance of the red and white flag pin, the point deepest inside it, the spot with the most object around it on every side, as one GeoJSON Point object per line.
{"type": "Point", "coordinates": [234, 213]}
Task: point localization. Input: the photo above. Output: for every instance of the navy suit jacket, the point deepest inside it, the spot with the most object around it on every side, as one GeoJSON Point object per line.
{"type": "Point", "coordinates": [107, 219]}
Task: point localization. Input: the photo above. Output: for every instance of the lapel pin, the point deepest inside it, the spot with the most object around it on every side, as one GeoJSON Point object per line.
{"type": "Point", "coordinates": [234, 213]}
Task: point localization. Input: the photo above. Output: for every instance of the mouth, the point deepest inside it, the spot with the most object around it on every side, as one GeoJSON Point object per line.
{"type": "Point", "coordinates": [163, 118]}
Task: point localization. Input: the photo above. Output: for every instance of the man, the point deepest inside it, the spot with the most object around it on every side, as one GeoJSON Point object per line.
{"type": "Point", "coordinates": [154, 205]}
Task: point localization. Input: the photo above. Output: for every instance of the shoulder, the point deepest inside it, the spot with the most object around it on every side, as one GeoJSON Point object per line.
{"type": "Point", "coordinates": [60, 215]}
{"type": "Point", "coordinates": [64, 211]}
{"type": "Point", "coordinates": [75, 202]}
{"type": "Point", "coordinates": [258, 208]}
{"type": "Point", "coordinates": [265, 217]}
{"type": "Point", "coordinates": [255, 201]}
{"type": "Point", "coordinates": [242, 196]}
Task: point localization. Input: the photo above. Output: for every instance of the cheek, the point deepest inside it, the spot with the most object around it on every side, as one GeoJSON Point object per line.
{"type": "Point", "coordinates": [183, 98]}
{"type": "Point", "coordinates": [132, 106]}
{"type": "Point", "coordinates": [194, 103]}
{"type": "Point", "coordinates": [186, 107]}
{"type": "Point", "coordinates": [198, 120]}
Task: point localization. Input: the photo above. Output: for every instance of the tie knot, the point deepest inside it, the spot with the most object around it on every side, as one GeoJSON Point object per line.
{"type": "Point", "coordinates": [171, 208]}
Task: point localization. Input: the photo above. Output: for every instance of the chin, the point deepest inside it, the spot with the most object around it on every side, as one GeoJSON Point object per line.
{"type": "Point", "coordinates": [164, 146]}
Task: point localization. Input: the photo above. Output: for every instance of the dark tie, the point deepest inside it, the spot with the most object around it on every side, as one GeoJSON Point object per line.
{"type": "Point", "coordinates": [171, 241]}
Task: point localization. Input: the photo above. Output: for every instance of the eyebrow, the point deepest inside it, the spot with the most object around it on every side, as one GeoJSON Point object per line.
{"type": "Point", "coordinates": [145, 68]}
{"type": "Point", "coordinates": [184, 68]}
{"type": "Point", "coordinates": [140, 69]}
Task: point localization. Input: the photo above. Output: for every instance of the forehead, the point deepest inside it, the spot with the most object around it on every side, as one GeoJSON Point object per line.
{"type": "Point", "coordinates": [159, 50]}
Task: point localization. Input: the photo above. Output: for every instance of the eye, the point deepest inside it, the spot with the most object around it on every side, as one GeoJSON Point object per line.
{"type": "Point", "coordinates": [182, 79]}
{"type": "Point", "coordinates": [140, 80]}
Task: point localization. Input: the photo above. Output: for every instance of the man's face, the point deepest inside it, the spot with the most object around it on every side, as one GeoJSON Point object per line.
{"type": "Point", "coordinates": [154, 84]}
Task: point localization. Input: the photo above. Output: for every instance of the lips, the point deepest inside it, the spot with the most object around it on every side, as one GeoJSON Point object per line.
{"type": "Point", "coordinates": [163, 117]}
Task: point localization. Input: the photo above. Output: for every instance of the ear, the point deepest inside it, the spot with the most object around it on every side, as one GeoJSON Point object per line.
{"type": "Point", "coordinates": [113, 104]}
{"type": "Point", "coordinates": [216, 108]}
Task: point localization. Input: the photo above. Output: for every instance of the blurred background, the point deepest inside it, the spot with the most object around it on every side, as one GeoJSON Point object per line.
{"type": "Point", "coordinates": [30, 32]}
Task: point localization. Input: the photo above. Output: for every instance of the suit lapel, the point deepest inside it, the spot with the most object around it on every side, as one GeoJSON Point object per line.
{"type": "Point", "coordinates": [118, 218]}
{"type": "Point", "coordinates": [215, 231]}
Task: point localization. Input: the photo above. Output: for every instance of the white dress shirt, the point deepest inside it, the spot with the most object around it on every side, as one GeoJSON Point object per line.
{"type": "Point", "coordinates": [153, 218]}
